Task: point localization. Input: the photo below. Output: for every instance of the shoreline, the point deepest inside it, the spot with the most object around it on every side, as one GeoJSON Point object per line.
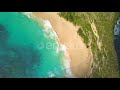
{"type": "Point", "coordinates": [67, 35]}
{"type": "Point", "coordinates": [66, 60]}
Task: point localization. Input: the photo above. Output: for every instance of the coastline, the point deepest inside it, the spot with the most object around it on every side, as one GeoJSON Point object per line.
{"type": "Point", "coordinates": [66, 60]}
{"type": "Point", "coordinates": [67, 33]}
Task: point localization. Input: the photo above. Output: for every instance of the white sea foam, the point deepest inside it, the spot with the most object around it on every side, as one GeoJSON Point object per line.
{"type": "Point", "coordinates": [51, 75]}
{"type": "Point", "coordinates": [49, 29]}
{"type": "Point", "coordinates": [67, 61]}
{"type": "Point", "coordinates": [29, 14]}
{"type": "Point", "coordinates": [61, 47]}
{"type": "Point", "coordinates": [50, 33]}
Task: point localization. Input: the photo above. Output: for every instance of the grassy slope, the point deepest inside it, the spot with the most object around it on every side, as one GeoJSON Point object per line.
{"type": "Point", "coordinates": [99, 39]}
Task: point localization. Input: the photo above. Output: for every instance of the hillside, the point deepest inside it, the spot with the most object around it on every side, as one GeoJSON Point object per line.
{"type": "Point", "coordinates": [96, 30]}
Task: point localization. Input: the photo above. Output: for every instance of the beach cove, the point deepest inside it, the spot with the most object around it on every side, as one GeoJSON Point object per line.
{"type": "Point", "coordinates": [41, 45]}
{"type": "Point", "coordinates": [79, 55]}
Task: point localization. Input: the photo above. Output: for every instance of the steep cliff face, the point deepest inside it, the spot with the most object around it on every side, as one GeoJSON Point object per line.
{"type": "Point", "coordinates": [97, 32]}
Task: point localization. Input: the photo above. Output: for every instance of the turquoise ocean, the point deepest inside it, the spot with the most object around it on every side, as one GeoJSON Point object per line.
{"type": "Point", "coordinates": [28, 48]}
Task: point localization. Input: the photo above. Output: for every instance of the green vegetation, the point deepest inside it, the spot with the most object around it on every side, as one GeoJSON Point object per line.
{"type": "Point", "coordinates": [96, 29]}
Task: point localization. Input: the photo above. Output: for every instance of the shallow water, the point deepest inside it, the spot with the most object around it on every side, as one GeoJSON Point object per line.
{"type": "Point", "coordinates": [28, 48]}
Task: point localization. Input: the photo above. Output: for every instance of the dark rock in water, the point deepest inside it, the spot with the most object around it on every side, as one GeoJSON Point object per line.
{"type": "Point", "coordinates": [3, 33]}
{"type": "Point", "coordinates": [17, 61]}
{"type": "Point", "coordinates": [2, 29]}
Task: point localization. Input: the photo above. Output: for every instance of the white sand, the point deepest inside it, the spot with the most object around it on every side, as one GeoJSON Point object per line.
{"type": "Point", "coordinates": [67, 34]}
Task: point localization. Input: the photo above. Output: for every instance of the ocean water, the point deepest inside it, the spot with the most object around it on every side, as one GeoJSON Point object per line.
{"type": "Point", "coordinates": [28, 48]}
{"type": "Point", "coordinates": [117, 40]}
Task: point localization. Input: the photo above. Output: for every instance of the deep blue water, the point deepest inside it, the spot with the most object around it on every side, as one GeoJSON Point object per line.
{"type": "Point", "coordinates": [117, 40]}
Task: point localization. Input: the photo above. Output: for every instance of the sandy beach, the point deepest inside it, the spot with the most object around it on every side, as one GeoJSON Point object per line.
{"type": "Point", "coordinates": [67, 33]}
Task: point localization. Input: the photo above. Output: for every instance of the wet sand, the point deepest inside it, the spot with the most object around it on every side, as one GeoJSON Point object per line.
{"type": "Point", "coordinates": [79, 54]}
